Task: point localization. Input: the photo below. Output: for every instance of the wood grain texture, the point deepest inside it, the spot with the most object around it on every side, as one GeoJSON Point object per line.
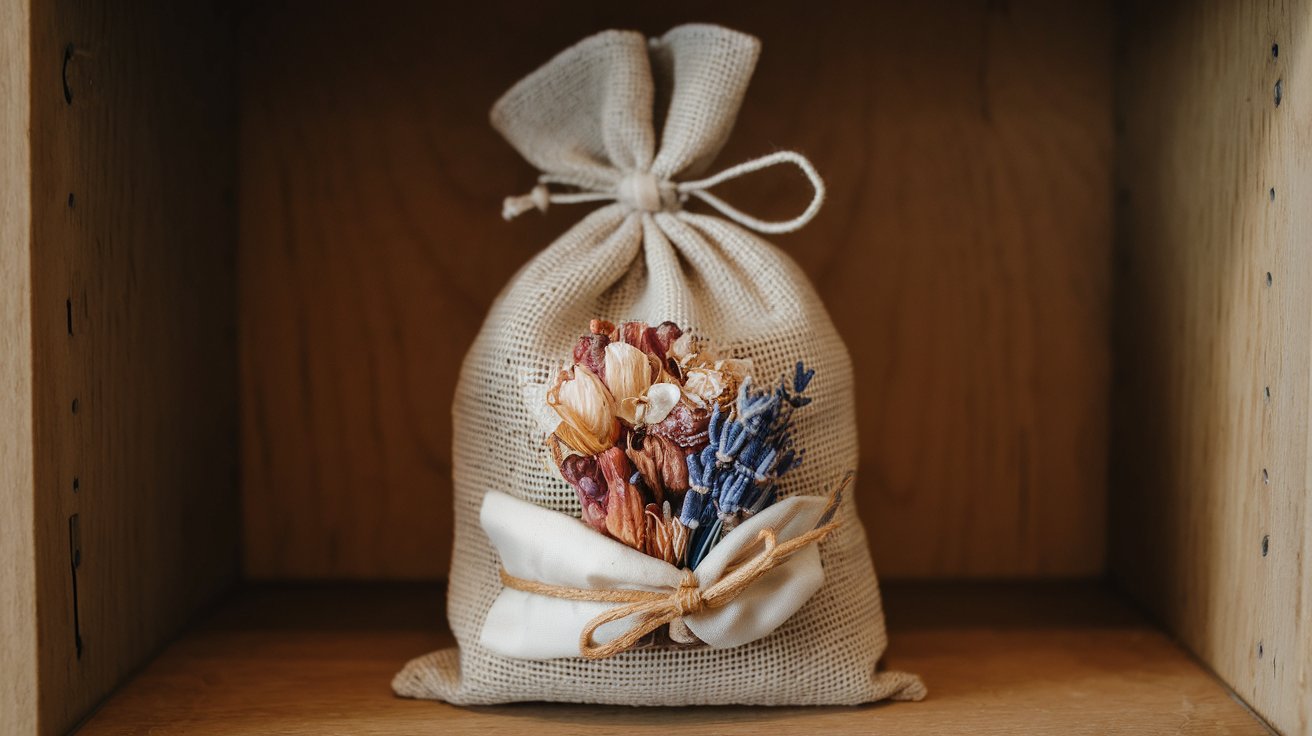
{"type": "Point", "coordinates": [133, 321]}
{"type": "Point", "coordinates": [1210, 509]}
{"type": "Point", "coordinates": [964, 253]}
{"type": "Point", "coordinates": [1063, 658]}
{"type": "Point", "coordinates": [18, 621]}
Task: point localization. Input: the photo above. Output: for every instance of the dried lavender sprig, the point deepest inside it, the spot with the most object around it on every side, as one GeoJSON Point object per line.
{"type": "Point", "coordinates": [701, 541]}
{"type": "Point", "coordinates": [737, 474]}
{"type": "Point", "coordinates": [766, 423]}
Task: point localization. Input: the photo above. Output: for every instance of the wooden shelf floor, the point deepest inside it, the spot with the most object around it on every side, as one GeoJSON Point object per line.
{"type": "Point", "coordinates": [1064, 658]}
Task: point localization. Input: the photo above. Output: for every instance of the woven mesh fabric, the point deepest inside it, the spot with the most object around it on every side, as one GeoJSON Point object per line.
{"type": "Point", "coordinates": [587, 114]}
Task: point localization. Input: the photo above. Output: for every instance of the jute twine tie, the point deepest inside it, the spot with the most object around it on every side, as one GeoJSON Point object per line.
{"type": "Point", "coordinates": [654, 609]}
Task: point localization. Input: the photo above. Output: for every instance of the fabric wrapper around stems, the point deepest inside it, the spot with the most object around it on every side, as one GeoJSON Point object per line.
{"type": "Point", "coordinates": [624, 121]}
{"type": "Point", "coordinates": [549, 547]}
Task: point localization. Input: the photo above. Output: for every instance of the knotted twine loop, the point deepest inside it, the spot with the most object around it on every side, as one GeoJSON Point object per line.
{"type": "Point", "coordinates": [643, 191]}
{"type": "Point", "coordinates": [654, 609]}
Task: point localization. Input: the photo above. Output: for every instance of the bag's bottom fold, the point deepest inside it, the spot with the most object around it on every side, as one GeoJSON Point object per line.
{"type": "Point", "coordinates": [436, 676]}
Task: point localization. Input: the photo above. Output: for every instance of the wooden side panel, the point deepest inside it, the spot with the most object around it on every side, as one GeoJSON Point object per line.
{"type": "Point", "coordinates": [18, 660]}
{"type": "Point", "coordinates": [964, 253]}
{"type": "Point", "coordinates": [132, 313]}
{"type": "Point", "coordinates": [1210, 512]}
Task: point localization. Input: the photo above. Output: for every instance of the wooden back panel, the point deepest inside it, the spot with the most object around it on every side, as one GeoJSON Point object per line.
{"type": "Point", "coordinates": [1210, 513]}
{"type": "Point", "coordinates": [964, 253]}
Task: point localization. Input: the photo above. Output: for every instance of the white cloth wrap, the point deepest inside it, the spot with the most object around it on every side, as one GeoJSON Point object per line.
{"type": "Point", "coordinates": [549, 547]}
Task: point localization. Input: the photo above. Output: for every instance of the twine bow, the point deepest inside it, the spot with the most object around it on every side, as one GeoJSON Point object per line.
{"type": "Point", "coordinates": [657, 609]}
{"type": "Point", "coordinates": [643, 191]}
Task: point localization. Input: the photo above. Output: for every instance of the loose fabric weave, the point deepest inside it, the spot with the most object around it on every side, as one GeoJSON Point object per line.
{"type": "Point", "coordinates": [586, 119]}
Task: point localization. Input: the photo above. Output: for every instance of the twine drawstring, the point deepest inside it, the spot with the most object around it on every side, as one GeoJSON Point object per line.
{"type": "Point", "coordinates": [655, 609]}
{"type": "Point", "coordinates": [643, 191]}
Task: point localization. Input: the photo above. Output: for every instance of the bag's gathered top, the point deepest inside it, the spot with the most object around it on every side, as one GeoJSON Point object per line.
{"type": "Point", "coordinates": [655, 431]}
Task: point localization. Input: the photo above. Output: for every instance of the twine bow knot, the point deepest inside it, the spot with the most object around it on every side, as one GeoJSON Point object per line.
{"type": "Point", "coordinates": [656, 609]}
{"type": "Point", "coordinates": [689, 595]}
{"type": "Point", "coordinates": [643, 191]}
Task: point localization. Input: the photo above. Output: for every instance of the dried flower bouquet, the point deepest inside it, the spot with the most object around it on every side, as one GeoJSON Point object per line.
{"type": "Point", "coordinates": [668, 444]}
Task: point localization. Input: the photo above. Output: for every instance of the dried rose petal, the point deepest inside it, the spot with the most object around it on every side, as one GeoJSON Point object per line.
{"type": "Point", "coordinates": [685, 426]}
{"type": "Point", "coordinates": [585, 475]}
{"type": "Point", "coordinates": [655, 341]}
{"type": "Point", "coordinates": [625, 517]}
{"type": "Point", "coordinates": [600, 327]}
{"type": "Point", "coordinates": [629, 332]}
{"type": "Point", "coordinates": [590, 352]}
{"type": "Point", "coordinates": [663, 336]}
{"type": "Point", "coordinates": [663, 466]}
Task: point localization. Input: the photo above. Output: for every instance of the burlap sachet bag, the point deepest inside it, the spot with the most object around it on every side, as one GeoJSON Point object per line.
{"type": "Point", "coordinates": [784, 609]}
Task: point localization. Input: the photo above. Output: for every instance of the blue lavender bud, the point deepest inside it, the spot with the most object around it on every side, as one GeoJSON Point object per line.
{"type": "Point", "coordinates": [734, 495]}
{"type": "Point", "coordinates": [785, 463]}
{"type": "Point", "coordinates": [694, 463]}
{"type": "Point", "coordinates": [737, 437]}
{"type": "Point", "coordinates": [802, 378]}
{"type": "Point", "coordinates": [691, 514]}
{"type": "Point", "coordinates": [709, 461]}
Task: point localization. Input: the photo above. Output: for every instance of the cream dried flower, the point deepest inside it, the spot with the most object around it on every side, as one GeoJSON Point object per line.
{"type": "Point", "coordinates": [629, 374]}
{"type": "Point", "coordinates": [650, 408]}
{"type": "Point", "coordinates": [716, 382]}
{"type": "Point", "coordinates": [703, 386]}
{"type": "Point", "coordinates": [586, 410]}
{"type": "Point", "coordinates": [683, 347]}
{"type": "Point", "coordinates": [628, 371]}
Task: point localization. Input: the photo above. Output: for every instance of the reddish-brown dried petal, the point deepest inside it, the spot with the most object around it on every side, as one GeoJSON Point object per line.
{"type": "Point", "coordinates": [633, 333]}
{"type": "Point", "coordinates": [662, 337]}
{"type": "Point", "coordinates": [589, 483]}
{"type": "Point", "coordinates": [685, 426]}
{"type": "Point", "coordinates": [595, 515]}
{"type": "Point", "coordinates": [624, 504]}
{"type": "Point", "coordinates": [600, 327]}
{"type": "Point", "coordinates": [662, 465]}
{"type": "Point", "coordinates": [648, 467]}
{"type": "Point", "coordinates": [590, 352]}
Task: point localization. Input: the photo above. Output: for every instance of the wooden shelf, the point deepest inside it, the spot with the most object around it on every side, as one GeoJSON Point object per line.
{"type": "Point", "coordinates": [1065, 658]}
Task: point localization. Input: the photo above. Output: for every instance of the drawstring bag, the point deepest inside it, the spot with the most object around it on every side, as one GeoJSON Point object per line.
{"type": "Point", "coordinates": [655, 429]}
